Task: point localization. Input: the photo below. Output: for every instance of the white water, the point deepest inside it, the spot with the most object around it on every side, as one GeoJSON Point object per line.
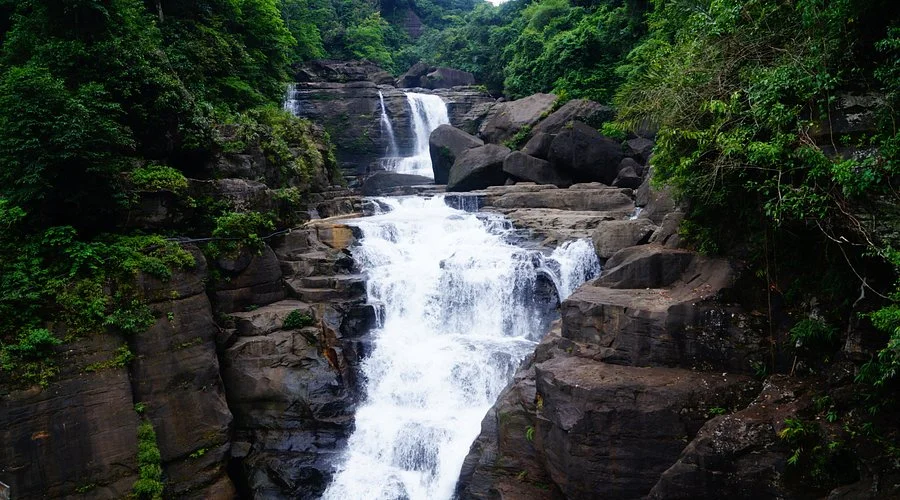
{"type": "Point", "coordinates": [387, 129]}
{"type": "Point", "coordinates": [291, 104]}
{"type": "Point", "coordinates": [458, 317]}
{"type": "Point", "coordinates": [427, 112]}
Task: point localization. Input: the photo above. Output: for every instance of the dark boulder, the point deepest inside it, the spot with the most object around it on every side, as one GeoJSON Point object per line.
{"type": "Point", "coordinates": [478, 168]}
{"type": "Point", "coordinates": [539, 145]}
{"type": "Point", "coordinates": [445, 78]}
{"type": "Point", "coordinates": [639, 149]}
{"type": "Point", "coordinates": [383, 182]}
{"type": "Point", "coordinates": [507, 118]}
{"type": "Point", "coordinates": [533, 169]}
{"type": "Point", "coordinates": [413, 76]}
{"type": "Point", "coordinates": [582, 110]}
{"type": "Point", "coordinates": [614, 235]}
{"type": "Point", "coordinates": [445, 144]}
{"type": "Point", "coordinates": [586, 153]}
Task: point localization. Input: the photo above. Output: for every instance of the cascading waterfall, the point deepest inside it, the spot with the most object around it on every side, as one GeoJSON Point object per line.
{"type": "Point", "coordinates": [387, 129]}
{"type": "Point", "coordinates": [291, 104]}
{"type": "Point", "coordinates": [459, 314]}
{"type": "Point", "coordinates": [427, 112]}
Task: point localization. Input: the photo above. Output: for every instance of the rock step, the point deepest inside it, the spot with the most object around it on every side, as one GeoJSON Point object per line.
{"type": "Point", "coordinates": [354, 291]}
{"type": "Point", "coordinates": [268, 319]}
{"type": "Point", "coordinates": [334, 281]}
{"type": "Point", "coordinates": [310, 264]}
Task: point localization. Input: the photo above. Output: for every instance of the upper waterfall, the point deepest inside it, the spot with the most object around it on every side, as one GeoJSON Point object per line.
{"type": "Point", "coordinates": [462, 306]}
{"type": "Point", "coordinates": [427, 112]}
{"type": "Point", "coordinates": [387, 129]}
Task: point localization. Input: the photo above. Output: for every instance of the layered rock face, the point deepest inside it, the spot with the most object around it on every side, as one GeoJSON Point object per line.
{"type": "Point", "coordinates": [343, 98]}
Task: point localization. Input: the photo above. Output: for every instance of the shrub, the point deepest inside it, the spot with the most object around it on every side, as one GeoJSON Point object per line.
{"type": "Point", "coordinates": [297, 319]}
{"type": "Point", "coordinates": [158, 177]}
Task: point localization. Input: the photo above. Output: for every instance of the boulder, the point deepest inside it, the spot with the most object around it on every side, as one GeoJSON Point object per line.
{"type": "Point", "coordinates": [413, 76]}
{"type": "Point", "coordinates": [529, 168]}
{"type": "Point", "coordinates": [251, 280]}
{"type": "Point", "coordinates": [445, 78]}
{"type": "Point", "coordinates": [383, 182]}
{"type": "Point", "coordinates": [445, 144]}
{"type": "Point", "coordinates": [614, 235]}
{"type": "Point", "coordinates": [639, 148]}
{"type": "Point", "coordinates": [627, 176]}
{"type": "Point", "coordinates": [539, 145]}
{"type": "Point", "coordinates": [587, 154]}
{"type": "Point", "coordinates": [478, 168]}
{"type": "Point", "coordinates": [582, 110]}
{"type": "Point", "coordinates": [663, 307]}
{"type": "Point", "coordinates": [508, 118]}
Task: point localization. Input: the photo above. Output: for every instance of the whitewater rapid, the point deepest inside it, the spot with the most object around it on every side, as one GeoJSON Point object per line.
{"type": "Point", "coordinates": [458, 314]}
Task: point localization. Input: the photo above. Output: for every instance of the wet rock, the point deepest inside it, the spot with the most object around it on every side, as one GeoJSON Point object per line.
{"type": "Point", "coordinates": [612, 236]}
{"type": "Point", "coordinates": [381, 183]}
{"type": "Point", "coordinates": [587, 154]}
{"type": "Point", "coordinates": [478, 168]}
{"type": "Point", "coordinates": [507, 118]}
{"type": "Point", "coordinates": [445, 144]}
{"type": "Point", "coordinates": [529, 168]}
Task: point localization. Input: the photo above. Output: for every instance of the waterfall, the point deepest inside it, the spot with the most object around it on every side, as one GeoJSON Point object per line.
{"type": "Point", "coordinates": [291, 104]}
{"type": "Point", "coordinates": [459, 314]}
{"type": "Point", "coordinates": [387, 129]}
{"type": "Point", "coordinates": [427, 112]}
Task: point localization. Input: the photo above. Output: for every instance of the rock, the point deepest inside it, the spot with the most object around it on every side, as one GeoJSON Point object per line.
{"type": "Point", "coordinates": [445, 144]}
{"type": "Point", "coordinates": [639, 148]}
{"type": "Point", "coordinates": [80, 432]}
{"type": "Point", "coordinates": [529, 168]}
{"type": "Point", "coordinates": [323, 70]}
{"type": "Point", "coordinates": [508, 118]}
{"type": "Point", "coordinates": [381, 183]}
{"type": "Point", "coordinates": [614, 235]}
{"type": "Point", "coordinates": [539, 145]}
{"type": "Point", "coordinates": [598, 199]}
{"type": "Point", "coordinates": [627, 177]}
{"type": "Point", "coordinates": [250, 280]}
{"type": "Point", "coordinates": [241, 194]}
{"type": "Point", "coordinates": [582, 110]}
{"type": "Point", "coordinates": [413, 76]}
{"type": "Point", "coordinates": [478, 168]}
{"type": "Point", "coordinates": [558, 225]}
{"type": "Point", "coordinates": [741, 456]}
{"type": "Point", "coordinates": [270, 318]}
{"type": "Point", "coordinates": [445, 78]}
{"type": "Point", "coordinates": [663, 307]}
{"type": "Point", "coordinates": [667, 234]}
{"type": "Point", "coordinates": [610, 431]}
{"type": "Point", "coordinates": [589, 156]}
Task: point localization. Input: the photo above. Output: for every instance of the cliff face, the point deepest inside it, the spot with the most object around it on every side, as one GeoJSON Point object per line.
{"type": "Point", "coordinates": [343, 98]}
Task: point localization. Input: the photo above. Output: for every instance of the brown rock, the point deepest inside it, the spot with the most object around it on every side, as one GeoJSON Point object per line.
{"type": "Point", "coordinates": [507, 118]}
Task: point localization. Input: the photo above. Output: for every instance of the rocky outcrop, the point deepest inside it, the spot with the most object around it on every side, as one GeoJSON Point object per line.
{"type": "Point", "coordinates": [249, 279]}
{"type": "Point", "coordinates": [324, 70]}
{"type": "Point", "coordinates": [445, 144]}
{"type": "Point", "coordinates": [345, 101]}
{"type": "Point", "coordinates": [611, 236]}
{"type": "Point", "coordinates": [581, 110]}
{"type": "Point", "coordinates": [421, 75]}
{"type": "Point", "coordinates": [507, 118]}
{"type": "Point", "coordinates": [478, 168]}
{"type": "Point", "coordinates": [528, 168]}
{"type": "Point", "coordinates": [176, 378]}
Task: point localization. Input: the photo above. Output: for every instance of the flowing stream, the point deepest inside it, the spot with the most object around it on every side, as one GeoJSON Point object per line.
{"type": "Point", "coordinates": [427, 112]}
{"type": "Point", "coordinates": [462, 305]}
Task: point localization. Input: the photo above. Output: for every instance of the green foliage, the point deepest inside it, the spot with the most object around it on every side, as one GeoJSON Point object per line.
{"type": "Point", "coordinates": [158, 177]}
{"type": "Point", "coordinates": [297, 319]}
{"type": "Point", "coordinates": [30, 358]}
{"type": "Point", "coordinates": [821, 461]}
{"type": "Point", "coordinates": [240, 230]}
{"type": "Point", "coordinates": [529, 433]}
{"type": "Point", "coordinates": [884, 368]}
{"type": "Point", "coordinates": [519, 138]}
{"type": "Point", "coordinates": [123, 357]}
{"type": "Point", "coordinates": [813, 334]}
{"type": "Point", "coordinates": [149, 484]}
{"type": "Point", "coordinates": [366, 40]}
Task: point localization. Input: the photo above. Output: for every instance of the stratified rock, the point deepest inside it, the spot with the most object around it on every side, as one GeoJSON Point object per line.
{"type": "Point", "coordinates": [478, 168]}
{"type": "Point", "coordinates": [539, 145]}
{"type": "Point", "coordinates": [582, 110]}
{"type": "Point", "coordinates": [639, 148]}
{"type": "Point", "coordinates": [614, 235]}
{"type": "Point", "coordinates": [383, 182]}
{"type": "Point", "coordinates": [533, 169]}
{"type": "Point", "coordinates": [445, 78]}
{"type": "Point", "coordinates": [509, 117]}
{"type": "Point", "coordinates": [598, 199]}
{"type": "Point", "coordinates": [79, 432]}
{"type": "Point", "coordinates": [250, 280]}
{"type": "Point", "coordinates": [323, 70]}
{"type": "Point", "coordinates": [584, 152]}
{"type": "Point", "coordinates": [241, 194]}
{"type": "Point", "coordinates": [445, 144]}
{"type": "Point", "coordinates": [608, 431]}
